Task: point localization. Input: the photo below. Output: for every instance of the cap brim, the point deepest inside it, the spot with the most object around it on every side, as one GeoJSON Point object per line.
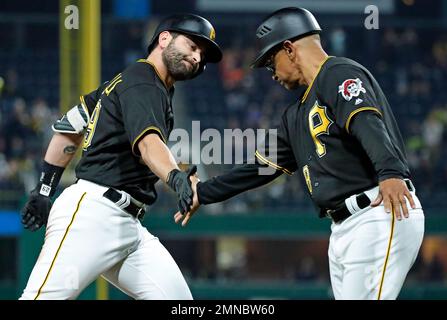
{"type": "Point", "coordinates": [261, 59]}
{"type": "Point", "coordinates": [213, 52]}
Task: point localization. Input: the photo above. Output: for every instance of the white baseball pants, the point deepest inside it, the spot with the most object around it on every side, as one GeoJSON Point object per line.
{"type": "Point", "coordinates": [88, 236]}
{"type": "Point", "coordinates": [371, 252]}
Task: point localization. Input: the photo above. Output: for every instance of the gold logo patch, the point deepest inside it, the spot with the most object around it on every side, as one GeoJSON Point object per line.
{"type": "Point", "coordinates": [212, 34]}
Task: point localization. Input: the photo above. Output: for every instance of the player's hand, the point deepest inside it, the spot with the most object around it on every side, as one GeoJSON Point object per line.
{"type": "Point", "coordinates": [36, 210]}
{"type": "Point", "coordinates": [186, 217]}
{"type": "Point", "coordinates": [394, 193]}
{"type": "Point", "coordinates": [180, 182]}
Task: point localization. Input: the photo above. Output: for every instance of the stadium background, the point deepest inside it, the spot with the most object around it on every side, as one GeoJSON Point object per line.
{"type": "Point", "coordinates": [263, 244]}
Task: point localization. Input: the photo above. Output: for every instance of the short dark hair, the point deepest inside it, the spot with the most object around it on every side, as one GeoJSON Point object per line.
{"type": "Point", "coordinates": [173, 34]}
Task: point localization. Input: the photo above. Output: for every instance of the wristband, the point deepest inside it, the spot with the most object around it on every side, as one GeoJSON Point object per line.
{"type": "Point", "coordinates": [49, 179]}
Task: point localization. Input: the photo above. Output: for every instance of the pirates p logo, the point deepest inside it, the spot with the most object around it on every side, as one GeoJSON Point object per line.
{"type": "Point", "coordinates": [212, 34]}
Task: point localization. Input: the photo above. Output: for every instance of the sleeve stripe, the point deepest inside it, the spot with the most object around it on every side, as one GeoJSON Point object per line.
{"type": "Point", "coordinates": [144, 132]}
{"type": "Point", "coordinates": [84, 105]}
{"type": "Point", "coordinates": [271, 164]}
{"type": "Point", "coordinates": [353, 113]}
{"type": "Point", "coordinates": [63, 131]}
{"type": "Point", "coordinates": [76, 120]}
{"type": "Point", "coordinates": [81, 111]}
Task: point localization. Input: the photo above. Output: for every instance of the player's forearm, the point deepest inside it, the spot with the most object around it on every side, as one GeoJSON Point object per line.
{"type": "Point", "coordinates": [370, 130]}
{"type": "Point", "coordinates": [157, 156]}
{"type": "Point", "coordinates": [62, 149]}
{"type": "Point", "coordinates": [238, 180]}
{"type": "Point", "coordinates": [59, 153]}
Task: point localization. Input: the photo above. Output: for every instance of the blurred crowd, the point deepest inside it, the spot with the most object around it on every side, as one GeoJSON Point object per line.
{"type": "Point", "coordinates": [24, 132]}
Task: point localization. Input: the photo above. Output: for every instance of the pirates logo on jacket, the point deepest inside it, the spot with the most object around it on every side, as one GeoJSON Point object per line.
{"type": "Point", "coordinates": [351, 88]}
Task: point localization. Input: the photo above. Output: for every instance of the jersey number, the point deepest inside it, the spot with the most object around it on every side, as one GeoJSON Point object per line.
{"type": "Point", "coordinates": [319, 123]}
{"type": "Point", "coordinates": [91, 127]}
{"type": "Point", "coordinates": [95, 115]}
{"type": "Point", "coordinates": [113, 84]}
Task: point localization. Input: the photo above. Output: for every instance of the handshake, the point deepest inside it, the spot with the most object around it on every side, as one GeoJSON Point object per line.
{"type": "Point", "coordinates": [184, 183]}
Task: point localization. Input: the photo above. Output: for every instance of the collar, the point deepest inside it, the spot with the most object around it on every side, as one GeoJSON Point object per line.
{"type": "Point", "coordinates": [311, 84]}
{"type": "Point", "coordinates": [156, 71]}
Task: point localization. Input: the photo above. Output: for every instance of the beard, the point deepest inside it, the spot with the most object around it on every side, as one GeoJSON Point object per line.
{"type": "Point", "coordinates": [292, 86]}
{"type": "Point", "coordinates": [173, 59]}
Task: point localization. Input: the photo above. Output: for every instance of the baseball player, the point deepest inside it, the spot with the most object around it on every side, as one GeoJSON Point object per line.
{"type": "Point", "coordinates": [343, 141]}
{"type": "Point", "coordinates": [94, 227]}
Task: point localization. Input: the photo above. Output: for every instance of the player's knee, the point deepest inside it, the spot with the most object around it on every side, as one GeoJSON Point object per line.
{"type": "Point", "coordinates": [177, 293]}
{"type": "Point", "coordinates": [50, 295]}
{"type": "Point", "coordinates": [26, 296]}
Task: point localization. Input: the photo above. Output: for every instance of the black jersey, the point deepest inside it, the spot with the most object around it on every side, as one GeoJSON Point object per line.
{"type": "Point", "coordinates": [315, 138]}
{"type": "Point", "coordinates": [122, 111]}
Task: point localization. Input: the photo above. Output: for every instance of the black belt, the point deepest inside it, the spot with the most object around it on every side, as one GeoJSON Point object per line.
{"type": "Point", "coordinates": [342, 213]}
{"type": "Point", "coordinates": [132, 208]}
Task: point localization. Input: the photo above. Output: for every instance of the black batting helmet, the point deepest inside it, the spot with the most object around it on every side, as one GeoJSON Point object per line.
{"type": "Point", "coordinates": [282, 25]}
{"type": "Point", "coordinates": [194, 26]}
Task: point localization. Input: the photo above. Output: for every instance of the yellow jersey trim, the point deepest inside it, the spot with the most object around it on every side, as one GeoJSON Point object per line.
{"type": "Point", "coordinates": [60, 246]}
{"type": "Point", "coordinates": [155, 68]}
{"type": "Point", "coordinates": [353, 113]}
{"type": "Point", "coordinates": [387, 255]}
{"type": "Point", "coordinates": [151, 128]}
{"type": "Point", "coordinates": [113, 84]}
{"type": "Point", "coordinates": [272, 164]}
{"type": "Point", "coordinates": [311, 84]}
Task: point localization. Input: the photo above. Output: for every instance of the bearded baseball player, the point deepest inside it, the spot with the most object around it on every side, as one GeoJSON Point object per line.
{"type": "Point", "coordinates": [341, 138]}
{"type": "Point", "coordinates": [93, 228]}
